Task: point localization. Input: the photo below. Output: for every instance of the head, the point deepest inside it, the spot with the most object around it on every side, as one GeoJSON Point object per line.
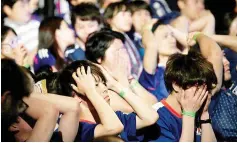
{"type": "Point", "coordinates": [167, 41]}
{"type": "Point", "coordinates": [191, 8]}
{"type": "Point", "coordinates": [226, 66]}
{"type": "Point", "coordinates": [141, 13]}
{"type": "Point", "coordinates": [55, 35]}
{"type": "Point", "coordinates": [9, 43]}
{"type": "Point", "coordinates": [66, 79]}
{"type": "Point", "coordinates": [77, 2]}
{"type": "Point", "coordinates": [86, 19]}
{"type": "Point", "coordinates": [16, 85]}
{"type": "Point", "coordinates": [185, 71]}
{"type": "Point", "coordinates": [106, 48]}
{"type": "Point", "coordinates": [17, 10]}
{"type": "Point", "coordinates": [118, 17]}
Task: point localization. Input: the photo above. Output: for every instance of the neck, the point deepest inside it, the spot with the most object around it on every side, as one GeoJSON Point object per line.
{"type": "Point", "coordinates": [173, 102]}
{"type": "Point", "coordinates": [163, 60]}
{"type": "Point", "coordinates": [61, 48]}
{"type": "Point", "coordinates": [81, 44]}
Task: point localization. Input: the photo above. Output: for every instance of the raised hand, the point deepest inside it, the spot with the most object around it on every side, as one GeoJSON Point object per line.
{"type": "Point", "coordinates": [84, 80]}
{"type": "Point", "coordinates": [193, 98]}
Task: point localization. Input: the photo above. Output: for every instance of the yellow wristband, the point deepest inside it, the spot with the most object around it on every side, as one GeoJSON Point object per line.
{"type": "Point", "coordinates": [196, 35]}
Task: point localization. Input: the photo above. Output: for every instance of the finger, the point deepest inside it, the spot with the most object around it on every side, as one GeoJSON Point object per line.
{"type": "Point", "coordinates": [83, 72]}
{"type": "Point", "coordinates": [79, 72]}
{"type": "Point", "coordinates": [88, 70]}
{"type": "Point", "coordinates": [75, 77]}
{"type": "Point", "coordinates": [202, 93]}
{"type": "Point", "coordinates": [74, 87]}
{"type": "Point", "coordinates": [204, 97]}
{"type": "Point", "coordinates": [198, 91]}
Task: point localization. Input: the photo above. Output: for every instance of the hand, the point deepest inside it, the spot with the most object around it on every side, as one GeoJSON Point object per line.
{"type": "Point", "coordinates": [21, 55]}
{"type": "Point", "coordinates": [193, 98]}
{"type": "Point", "coordinates": [205, 114]}
{"type": "Point", "coordinates": [85, 81]}
{"type": "Point", "coordinates": [148, 25]}
{"type": "Point", "coordinates": [190, 40]}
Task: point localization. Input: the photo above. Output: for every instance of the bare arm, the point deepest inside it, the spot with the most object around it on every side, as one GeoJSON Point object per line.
{"type": "Point", "coordinates": [226, 40]}
{"type": "Point", "coordinates": [70, 108]}
{"type": "Point", "coordinates": [212, 52]}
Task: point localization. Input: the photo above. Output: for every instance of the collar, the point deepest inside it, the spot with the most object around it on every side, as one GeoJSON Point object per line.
{"type": "Point", "coordinates": [170, 109]}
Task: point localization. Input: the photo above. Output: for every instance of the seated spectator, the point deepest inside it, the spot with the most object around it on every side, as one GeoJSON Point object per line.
{"type": "Point", "coordinates": [170, 41]}
{"type": "Point", "coordinates": [18, 17]}
{"type": "Point", "coordinates": [194, 17]}
{"type": "Point", "coordinates": [87, 83]}
{"type": "Point", "coordinates": [141, 13]}
{"type": "Point", "coordinates": [11, 48]}
{"type": "Point", "coordinates": [86, 19]}
{"type": "Point", "coordinates": [106, 48]}
{"type": "Point", "coordinates": [223, 108]}
{"type": "Point", "coordinates": [118, 16]}
{"type": "Point", "coordinates": [54, 38]}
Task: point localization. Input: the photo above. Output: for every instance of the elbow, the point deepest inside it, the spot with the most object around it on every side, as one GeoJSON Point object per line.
{"type": "Point", "coordinates": [114, 129]}
{"type": "Point", "coordinates": [152, 118]}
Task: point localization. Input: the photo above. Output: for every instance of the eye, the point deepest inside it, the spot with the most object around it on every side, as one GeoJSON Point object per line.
{"type": "Point", "coordinates": [96, 84]}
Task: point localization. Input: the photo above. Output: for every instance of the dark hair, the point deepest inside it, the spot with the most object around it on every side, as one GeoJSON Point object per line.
{"type": "Point", "coordinates": [17, 83]}
{"type": "Point", "coordinates": [9, 3]}
{"type": "Point", "coordinates": [189, 70]}
{"type": "Point", "coordinates": [4, 32]}
{"type": "Point", "coordinates": [167, 19]}
{"type": "Point", "coordinates": [98, 42]}
{"type": "Point", "coordinates": [51, 78]}
{"type": "Point", "coordinates": [47, 38]}
{"type": "Point", "coordinates": [139, 5]}
{"type": "Point", "coordinates": [114, 8]}
{"type": "Point", "coordinates": [66, 79]}
{"type": "Point", "coordinates": [86, 11]}
{"type": "Point", "coordinates": [229, 18]}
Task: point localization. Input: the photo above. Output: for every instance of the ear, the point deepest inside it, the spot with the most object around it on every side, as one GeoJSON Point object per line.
{"type": "Point", "coordinates": [14, 127]}
{"type": "Point", "coordinates": [7, 10]}
{"type": "Point", "coordinates": [176, 88]}
{"type": "Point", "coordinates": [181, 4]}
{"type": "Point", "coordinates": [99, 60]}
{"type": "Point", "coordinates": [6, 51]}
{"type": "Point", "coordinates": [4, 95]}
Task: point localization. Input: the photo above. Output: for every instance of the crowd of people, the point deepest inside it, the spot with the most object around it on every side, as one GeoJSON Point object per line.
{"type": "Point", "coordinates": [118, 71]}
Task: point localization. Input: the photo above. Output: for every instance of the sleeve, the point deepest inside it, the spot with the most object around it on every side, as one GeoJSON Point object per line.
{"type": "Point", "coordinates": [148, 81]}
{"type": "Point", "coordinates": [56, 137]}
{"type": "Point", "coordinates": [129, 122]}
{"type": "Point", "coordinates": [85, 132]}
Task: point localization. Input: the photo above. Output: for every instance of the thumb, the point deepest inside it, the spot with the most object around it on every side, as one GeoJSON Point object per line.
{"type": "Point", "coordinates": [74, 87]}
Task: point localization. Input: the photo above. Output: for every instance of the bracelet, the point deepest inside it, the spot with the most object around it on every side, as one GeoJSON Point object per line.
{"type": "Point", "coordinates": [205, 121]}
{"type": "Point", "coordinates": [196, 35]}
{"type": "Point", "coordinates": [190, 114]}
{"type": "Point", "coordinates": [122, 93]}
{"type": "Point", "coordinates": [27, 66]}
{"type": "Point", "coordinates": [133, 84]}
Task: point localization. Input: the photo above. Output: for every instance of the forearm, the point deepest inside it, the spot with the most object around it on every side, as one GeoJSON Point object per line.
{"type": "Point", "coordinates": [151, 52]}
{"type": "Point", "coordinates": [142, 93]}
{"type": "Point", "coordinates": [187, 129]}
{"type": "Point", "coordinates": [207, 131]}
{"type": "Point", "coordinates": [108, 118]}
{"type": "Point", "coordinates": [226, 40]}
{"type": "Point", "coordinates": [146, 114]}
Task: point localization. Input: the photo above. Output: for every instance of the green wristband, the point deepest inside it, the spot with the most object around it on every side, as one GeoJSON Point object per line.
{"type": "Point", "coordinates": [134, 84]}
{"type": "Point", "coordinates": [195, 36]}
{"type": "Point", "coordinates": [27, 66]}
{"type": "Point", "coordinates": [190, 114]}
{"type": "Point", "coordinates": [122, 93]}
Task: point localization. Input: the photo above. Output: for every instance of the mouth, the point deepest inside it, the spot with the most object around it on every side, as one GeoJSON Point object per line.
{"type": "Point", "coordinates": [107, 97]}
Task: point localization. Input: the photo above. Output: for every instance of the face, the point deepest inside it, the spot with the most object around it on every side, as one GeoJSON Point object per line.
{"type": "Point", "coordinates": [65, 34]}
{"type": "Point", "coordinates": [167, 42]}
{"type": "Point", "coordinates": [85, 28]}
{"type": "Point", "coordinates": [102, 89]}
{"type": "Point", "coordinates": [77, 2]}
{"type": "Point", "coordinates": [20, 11]}
{"type": "Point", "coordinates": [33, 4]}
{"type": "Point", "coordinates": [192, 8]}
{"type": "Point", "coordinates": [226, 64]}
{"type": "Point", "coordinates": [11, 46]}
{"type": "Point", "coordinates": [139, 18]}
{"type": "Point", "coordinates": [122, 21]}
{"type": "Point", "coordinates": [233, 28]}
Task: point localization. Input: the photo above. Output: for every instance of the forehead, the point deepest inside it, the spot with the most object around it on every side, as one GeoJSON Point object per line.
{"type": "Point", "coordinates": [84, 22]}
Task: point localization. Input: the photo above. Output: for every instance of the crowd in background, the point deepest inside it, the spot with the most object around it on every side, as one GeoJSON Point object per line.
{"type": "Point", "coordinates": [117, 70]}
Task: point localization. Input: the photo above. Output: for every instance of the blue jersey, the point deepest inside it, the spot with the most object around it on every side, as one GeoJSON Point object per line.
{"type": "Point", "coordinates": [170, 124]}
{"type": "Point", "coordinates": [155, 84]}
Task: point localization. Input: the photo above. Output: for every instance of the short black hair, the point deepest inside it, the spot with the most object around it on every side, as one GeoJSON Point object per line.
{"type": "Point", "coordinates": [16, 82]}
{"type": "Point", "coordinates": [139, 5]}
{"type": "Point", "coordinates": [114, 8]}
{"type": "Point", "coordinates": [86, 11]}
{"type": "Point", "coordinates": [65, 77]}
{"type": "Point", "coordinates": [189, 70]}
{"type": "Point", "coordinates": [98, 42]}
{"type": "Point", "coordinates": [4, 32]}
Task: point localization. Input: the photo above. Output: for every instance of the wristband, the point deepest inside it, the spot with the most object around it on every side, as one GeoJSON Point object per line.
{"type": "Point", "coordinates": [27, 66]}
{"type": "Point", "coordinates": [190, 114]}
{"type": "Point", "coordinates": [122, 93]}
{"type": "Point", "coordinates": [196, 35]}
{"type": "Point", "coordinates": [205, 121]}
{"type": "Point", "coordinates": [133, 84]}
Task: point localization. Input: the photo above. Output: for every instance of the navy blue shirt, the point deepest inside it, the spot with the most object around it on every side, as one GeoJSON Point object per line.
{"type": "Point", "coordinates": [155, 84]}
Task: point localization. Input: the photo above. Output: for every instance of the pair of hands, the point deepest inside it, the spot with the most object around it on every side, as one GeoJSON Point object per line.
{"type": "Point", "coordinates": [21, 55]}
{"type": "Point", "coordinates": [193, 98]}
